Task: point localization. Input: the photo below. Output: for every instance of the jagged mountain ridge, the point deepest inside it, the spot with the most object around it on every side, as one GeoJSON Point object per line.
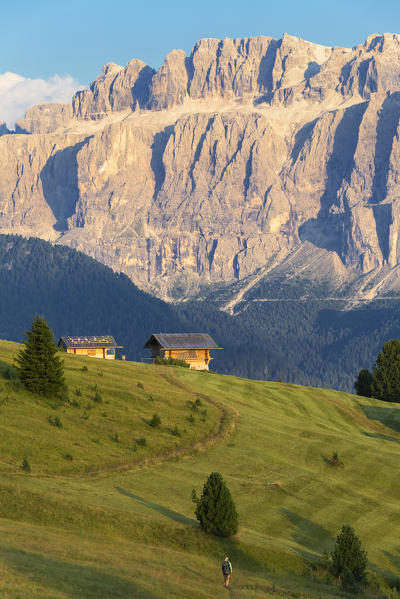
{"type": "Point", "coordinates": [219, 164]}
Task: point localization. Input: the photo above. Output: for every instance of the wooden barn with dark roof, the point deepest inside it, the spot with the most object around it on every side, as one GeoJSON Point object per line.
{"type": "Point", "coordinates": [98, 346]}
{"type": "Point", "coordinates": [193, 348]}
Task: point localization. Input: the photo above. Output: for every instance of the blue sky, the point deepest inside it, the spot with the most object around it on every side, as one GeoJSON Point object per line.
{"type": "Point", "coordinates": [51, 48]}
{"type": "Point", "coordinates": [76, 37]}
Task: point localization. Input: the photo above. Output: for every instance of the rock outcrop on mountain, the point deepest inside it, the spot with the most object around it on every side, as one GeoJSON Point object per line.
{"type": "Point", "coordinates": [44, 118]}
{"type": "Point", "coordinates": [220, 165]}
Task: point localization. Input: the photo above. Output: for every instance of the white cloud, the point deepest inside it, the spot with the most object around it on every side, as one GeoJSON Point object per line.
{"type": "Point", "coordinates": [18, 93]}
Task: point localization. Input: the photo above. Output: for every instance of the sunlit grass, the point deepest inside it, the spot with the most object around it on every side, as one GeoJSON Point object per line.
{"type": "Point", "coordinates": [134, 531]}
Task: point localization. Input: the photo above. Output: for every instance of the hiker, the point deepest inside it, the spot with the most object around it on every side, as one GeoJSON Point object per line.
{"type": "Point", "coordinates": [226, 571]}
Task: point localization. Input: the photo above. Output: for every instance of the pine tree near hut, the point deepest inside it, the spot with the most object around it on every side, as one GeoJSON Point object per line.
{"type": "Point", "coordinates": [39, 368]}
{"type": "Point", "coordinates": [215, 510]}
{"type": "Point", "coordinates": [349, 560]}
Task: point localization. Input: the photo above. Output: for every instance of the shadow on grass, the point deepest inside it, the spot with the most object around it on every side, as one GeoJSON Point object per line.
{"type": "Point", "coordinates": [249, 557]}
{"type": "Point", "coordinates": [391, 577]}
{"type": "Point", "coordinates": [309, 534]}
{"type": "Point", "coordinates": [380, 436]}
{"type": "Point", "coordinates": [160, 509]}
{"type": "Point", "coordinates": [390, 417]}
{"type": "Point", "coordinates": [76, 581]}
{"type": "Point", "coordinates": [394, 559]}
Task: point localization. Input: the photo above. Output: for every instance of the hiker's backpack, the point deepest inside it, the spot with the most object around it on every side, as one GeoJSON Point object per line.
{"type": "Point", "coordinates": [226, 568]}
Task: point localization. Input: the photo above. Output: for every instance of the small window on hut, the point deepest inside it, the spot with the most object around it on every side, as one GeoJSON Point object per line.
{"type": "Point", "coordinates": [111, 351]}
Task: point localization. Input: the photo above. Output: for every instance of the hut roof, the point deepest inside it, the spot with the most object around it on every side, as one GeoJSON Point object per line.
{"type": "Point", "coordinates": [182, 341]}
{"type": "Point", "coordinates": [96, 341]}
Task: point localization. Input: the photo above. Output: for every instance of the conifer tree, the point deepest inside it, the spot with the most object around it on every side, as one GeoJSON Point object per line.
{"type": "Point", "coordinates": [363, 384]}
{"type": "Point", "coordinates": [39, 368]}
{"type": "Point", "coordinates": [215, 510]}
{"type": "Point", "coordinates": [349, 560]}
{"type": "Point", "coordinates": [386, 372]}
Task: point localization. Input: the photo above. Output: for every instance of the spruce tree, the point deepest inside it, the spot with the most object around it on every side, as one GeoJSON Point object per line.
{"type": "Point", "coordinates": [39, 368]}
{"type": "Point", "coordinates": [215, 510]}
{"type": "Point", "coordinates": [386, 372]}
{"type": "Point", "coordinates": [349, 560]}
{"type": "Point", "coordinates": [363, 384]}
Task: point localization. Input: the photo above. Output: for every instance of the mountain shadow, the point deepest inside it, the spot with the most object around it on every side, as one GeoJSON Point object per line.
{"type": "Point", "coordinates": [59, 178]}
{"type": "Point", "coordinates": [328, 229]}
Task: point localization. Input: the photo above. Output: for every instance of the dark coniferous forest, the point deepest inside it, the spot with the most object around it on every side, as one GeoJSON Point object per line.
{"type": "Point", "coordinates": [308, 342]}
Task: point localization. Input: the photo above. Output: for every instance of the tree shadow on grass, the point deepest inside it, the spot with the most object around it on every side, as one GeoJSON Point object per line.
{"type": "Point", "coordinates": [380, 436]}
{"type": "Point", "coordinates": [390, 417]}
{"type": "Point", "coordinates": [76, 581]}
{"type": "Point", "coordinates": [245, 555]}
{"type": "Point", "coordinates": [310, 535]}
{"type": "Point", "coordinates": [160, 509]}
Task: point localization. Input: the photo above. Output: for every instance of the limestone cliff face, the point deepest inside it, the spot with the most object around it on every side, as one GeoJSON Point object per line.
{"type": "Point", "coordinates": [220, 165]}
{"type": "Point", "coordinates": [44, 118]}
{"type": "Point", "coordinates": [115, 89]}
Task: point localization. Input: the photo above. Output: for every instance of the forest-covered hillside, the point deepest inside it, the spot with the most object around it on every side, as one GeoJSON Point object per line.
{"type": "Point", "coordinates": [311, 342]}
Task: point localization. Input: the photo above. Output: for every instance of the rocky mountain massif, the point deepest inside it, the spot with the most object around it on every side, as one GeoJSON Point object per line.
{"type": "Point", "coordinates": [248, 156]}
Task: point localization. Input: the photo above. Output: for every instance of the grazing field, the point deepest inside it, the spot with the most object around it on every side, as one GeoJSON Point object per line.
{"type": "Point", "coordinates": [116, 521]}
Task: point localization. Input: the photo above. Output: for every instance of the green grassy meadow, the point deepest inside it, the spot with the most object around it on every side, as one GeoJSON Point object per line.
{"type": "Point", "coordinates": [117, 519]}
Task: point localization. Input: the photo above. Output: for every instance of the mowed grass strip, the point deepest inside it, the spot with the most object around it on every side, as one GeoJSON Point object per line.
{"type": "Point", "coordinates": [103, 423]}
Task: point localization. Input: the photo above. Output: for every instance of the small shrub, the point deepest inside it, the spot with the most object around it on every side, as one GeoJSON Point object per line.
{"type": "Point", "coordinates": [75, 403]}
{"type": "Point", "coordinates": [68, 457]}
{"type": "Point", "coordinates": [204, 414]}
{"type": "Point", "coordinates": [26, 467]}
{"type": "Point", "coordinates": [55, 421]}
{"type": "Point", "coordinates": [141, 441]}
{"type": "Point", "coordinates": [335, 461]}
{"type": "Point", "coordinates": [175, 431]}
{"type": "Point", "coordinates": [326, 561]}
{"type": "Point", "coordinates": [84, 369]}
{"type": "Point", "coordinates": [78, 392]}
{"type": "Point", "coordinates": [198, 403]}
{"type": "Point", "coordinates": [140, 385]}
{"type": "Point", "coordinates": [151, 398]}
{"type": "Point", "coordinates": [191, 419]}
{"type": "Point", "coordinates": [115, 437]}
{"type": "Point", "coordinates": [170, 362]}
{"type": "Point", "coordinates": [100, 373]}
{"type": "Point", "coordinates": [10, 373]}
{"type": "Point", "coordinates": [97, 397]}
{"type": "Point", "coordinates": [155, 422]}
{"type": "Point", "coordinates": [308, 571]}
{"type": "Point", "coordinates": [64, 395]}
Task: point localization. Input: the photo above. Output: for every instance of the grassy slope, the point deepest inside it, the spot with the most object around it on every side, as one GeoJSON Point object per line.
{"type": "Point", "coordinates": [132, 533]}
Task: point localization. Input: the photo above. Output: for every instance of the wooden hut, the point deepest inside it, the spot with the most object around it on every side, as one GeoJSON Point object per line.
{"type": "Point", "coordinates": [101, 346]}
{"type": "Point", "coordinates": [193, 348]}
